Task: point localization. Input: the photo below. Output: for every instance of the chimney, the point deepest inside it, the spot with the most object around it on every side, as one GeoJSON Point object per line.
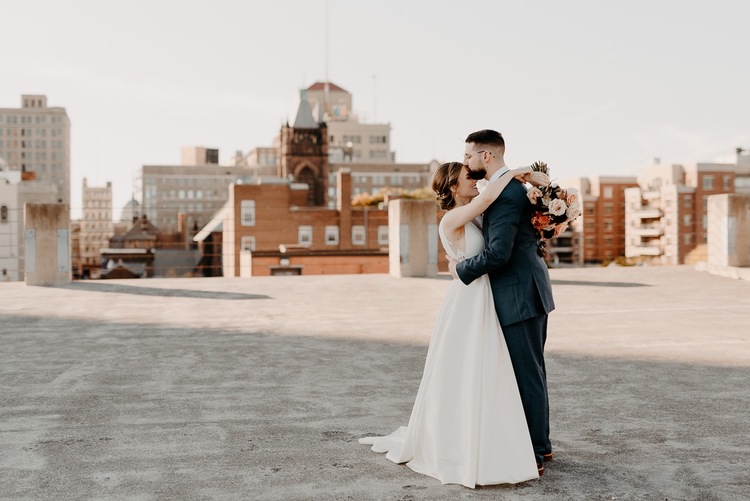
{"type": "Point", "coordinates": [181, 223]}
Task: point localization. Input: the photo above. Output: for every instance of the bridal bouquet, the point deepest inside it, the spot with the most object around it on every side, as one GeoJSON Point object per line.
{"type": "Point", "coordinates": [553, 208]}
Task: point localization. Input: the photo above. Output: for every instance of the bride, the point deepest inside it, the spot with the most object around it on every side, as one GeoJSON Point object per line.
{"type": "Point", "coordinates": [467, 425]}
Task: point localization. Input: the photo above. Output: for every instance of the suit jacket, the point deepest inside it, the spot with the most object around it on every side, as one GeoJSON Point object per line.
{"type": "Point", "coordinates": [518, 275]}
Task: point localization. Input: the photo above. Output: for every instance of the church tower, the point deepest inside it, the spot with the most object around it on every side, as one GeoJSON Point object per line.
{"type": "Point", "coordinates": [304, 154]}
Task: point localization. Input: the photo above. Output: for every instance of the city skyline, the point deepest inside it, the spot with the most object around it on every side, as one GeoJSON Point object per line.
{"type": "Point", "coordinates": [591, 89]}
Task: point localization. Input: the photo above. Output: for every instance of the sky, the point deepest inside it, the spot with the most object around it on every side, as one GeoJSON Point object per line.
{"type": "Point", "coordinates": [590, 87]}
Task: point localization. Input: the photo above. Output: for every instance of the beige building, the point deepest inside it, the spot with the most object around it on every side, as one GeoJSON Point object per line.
{"type": "Point", "coordinates": [36, 138]}
{"type": "Point", "coordinates": [96, 227]}
{"type": "Point", "coordinates": [349, 139]}
{"type": "Point", "coordinates": [197, 187]}
{"type": "Point", "coordinates": [666, 217]}
{"type": "Point", "coordinates": [363, 149]}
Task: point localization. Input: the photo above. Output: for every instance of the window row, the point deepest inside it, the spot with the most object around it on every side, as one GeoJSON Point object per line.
{"type": "Point", "coordinates": [305, 236]}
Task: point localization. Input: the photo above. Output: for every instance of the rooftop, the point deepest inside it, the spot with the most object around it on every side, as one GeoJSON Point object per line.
{"type": "Point", "coordinates": [259, 388]}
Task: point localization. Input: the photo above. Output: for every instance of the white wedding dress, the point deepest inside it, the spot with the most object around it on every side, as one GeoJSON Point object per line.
{"type": "Point", "coordinates": [467, 425]}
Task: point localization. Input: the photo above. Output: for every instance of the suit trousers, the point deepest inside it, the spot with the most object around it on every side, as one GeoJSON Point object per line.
{"type": "Point", "coordinates": [525, 342]}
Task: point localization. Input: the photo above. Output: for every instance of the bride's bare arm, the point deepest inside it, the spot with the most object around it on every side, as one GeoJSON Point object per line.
{"type": "Point", "coordinates": [458, 217]}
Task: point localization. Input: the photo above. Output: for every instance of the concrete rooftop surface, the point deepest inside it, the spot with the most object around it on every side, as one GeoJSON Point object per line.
{"type": "Point", "coordinates": [259, 388]}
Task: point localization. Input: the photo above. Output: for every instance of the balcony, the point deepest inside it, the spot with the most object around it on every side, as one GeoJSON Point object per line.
{"type": "Point", "coordinates": [646, 251]}
{"type": "Point", "coordinates": [648, 213]}
{"type": "Point", "coordinates": [648, 231]}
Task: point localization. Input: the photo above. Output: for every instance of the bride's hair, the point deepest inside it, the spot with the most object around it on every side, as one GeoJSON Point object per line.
{"type": "Point", "coordinates": [446, 177]}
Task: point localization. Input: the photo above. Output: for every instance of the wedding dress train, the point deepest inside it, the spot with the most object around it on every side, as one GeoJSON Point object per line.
{"type": "Point", "coordinates": [467, 425]}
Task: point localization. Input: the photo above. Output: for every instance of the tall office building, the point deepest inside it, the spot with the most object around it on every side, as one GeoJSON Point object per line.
{"type": "Point", "coordinates": [36, 138]}
{"type": "Point", "coordinates": [197, 188]}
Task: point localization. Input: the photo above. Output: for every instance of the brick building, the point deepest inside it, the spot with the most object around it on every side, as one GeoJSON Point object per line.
{"type": "Point", "coordinates": [598, 235]}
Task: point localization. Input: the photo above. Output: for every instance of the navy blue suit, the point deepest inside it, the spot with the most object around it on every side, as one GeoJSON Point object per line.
{"type": "Point", "coordinates": [523, 298]}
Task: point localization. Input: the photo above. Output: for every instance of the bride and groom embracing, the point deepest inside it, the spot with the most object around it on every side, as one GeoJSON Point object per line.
{"type": "Point", "coordinates": [481, 414]}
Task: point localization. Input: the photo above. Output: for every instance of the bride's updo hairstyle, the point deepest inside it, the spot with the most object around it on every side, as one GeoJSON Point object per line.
{"type": "Point", "coordinates": [446, 177]}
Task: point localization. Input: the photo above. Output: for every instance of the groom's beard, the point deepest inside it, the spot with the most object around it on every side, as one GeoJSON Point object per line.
{"type": "Point", "coordinates": [478, 174]}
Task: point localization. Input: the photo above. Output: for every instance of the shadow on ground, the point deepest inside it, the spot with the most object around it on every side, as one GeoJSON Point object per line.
{"type": "Point", "coordinates": [598, 284]}
{"type": "Point", "coordinates": [121, 410]}
{"type": "Point", "coordinates": [102, 286]}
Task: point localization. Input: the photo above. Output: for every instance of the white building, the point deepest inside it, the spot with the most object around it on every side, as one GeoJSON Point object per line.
{"type": "Point", "coordinates": [36, 138]}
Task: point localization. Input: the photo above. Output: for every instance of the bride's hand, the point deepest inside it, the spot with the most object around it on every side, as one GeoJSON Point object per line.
{"type": "Point", "coordinates": [526, 175]}
{"type": "Point", "coordinates": [523, 174]}
{"type": "Point", "coordinates": [538, 179]}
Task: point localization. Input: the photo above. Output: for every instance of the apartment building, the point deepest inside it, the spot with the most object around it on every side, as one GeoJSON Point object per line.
{"type": "Point", "coordinates": [96, 227]}
{"type": "Point", "coordinates": [598, 235]}
{"type": "Point", "coordinates": [666, 217]}
{"type": "Point", "coordinates": [36, 138]}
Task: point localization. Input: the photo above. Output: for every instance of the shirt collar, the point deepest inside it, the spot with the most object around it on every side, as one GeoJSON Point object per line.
{"type": "Point", "coordinates": [499, 173]}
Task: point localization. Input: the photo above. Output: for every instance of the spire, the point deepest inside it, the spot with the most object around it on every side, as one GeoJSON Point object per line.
{"type": "Point", "coordinates": [304, 118]}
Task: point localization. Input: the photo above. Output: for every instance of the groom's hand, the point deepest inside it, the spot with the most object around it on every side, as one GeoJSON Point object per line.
{"type": "Point", "coordinates": [452, 266]}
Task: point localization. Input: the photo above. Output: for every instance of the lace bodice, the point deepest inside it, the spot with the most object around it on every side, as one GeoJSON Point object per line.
{"type": "Point", "coordinates": [473, 240]}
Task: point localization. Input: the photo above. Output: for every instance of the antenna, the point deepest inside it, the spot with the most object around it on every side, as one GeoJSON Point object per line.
{"type": "Point", "coordinates": [374, 98]}
{"type": "Point", "coordinates": [326, 109]}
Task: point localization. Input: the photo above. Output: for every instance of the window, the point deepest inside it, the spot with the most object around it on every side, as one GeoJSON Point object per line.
{"type": "Point", "coordinates": [705, 222]}
{"type": "Point", "coordinates": [687, 219]}
{"type": "Point", "coordinates": [708, 182]}
{"type": "Point", "coordinates": [247, 212]}
{"type": "Point", "coordinates": [608, 208]}
{"type": "Point", "coordinates": [687, 202]}
{"type": "Point", "coordinates": [608, 192]}
{"type": "Point", "coordinates": [304, 235]}
{"type": "Point", "coordinates": [607, 225]}
{"type": "Point", "coordinates": [332, 235]}
{"type": "Point", "coordinates": [688, 239]}
{"type": "Point", "coordinates": [358, 235]}
{"type": "Point", "coordinates": [4, 214]}
{"type": "Point", "coordinates": [247, 244]}
{"type": "Point", "coordinates": [727, 183]}
{"type": "Point", "coordinates": [383, 234]}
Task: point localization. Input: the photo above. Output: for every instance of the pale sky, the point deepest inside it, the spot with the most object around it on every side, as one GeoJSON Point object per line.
{"type": "Point", "coordinates": [590, 87]}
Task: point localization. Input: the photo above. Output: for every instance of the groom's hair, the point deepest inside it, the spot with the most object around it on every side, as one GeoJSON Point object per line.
{"type": "Point", "coordinates": [487, 137]}
{"type": "Point", "coordinates": [445, 177]}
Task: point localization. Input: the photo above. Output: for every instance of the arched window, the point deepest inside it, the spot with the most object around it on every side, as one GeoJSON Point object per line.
{"type": "Point", "coordinates": [307, 176]}
{"type": "Point", "coordinates": [4, 214]}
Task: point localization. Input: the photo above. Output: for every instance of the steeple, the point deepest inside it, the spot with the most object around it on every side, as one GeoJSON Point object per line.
{"type": "Point", "coordinates": [304, 118]}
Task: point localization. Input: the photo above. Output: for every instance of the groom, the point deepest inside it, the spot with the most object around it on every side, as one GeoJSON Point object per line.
{"type": "Point", "coordinates": [519, 280]}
